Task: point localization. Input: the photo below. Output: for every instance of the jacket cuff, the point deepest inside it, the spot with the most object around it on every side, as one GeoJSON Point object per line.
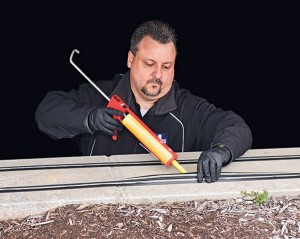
{"type": "Point", "coordinates": [86, 123]}
{"type": "Point", "coordinates": [224, 147]}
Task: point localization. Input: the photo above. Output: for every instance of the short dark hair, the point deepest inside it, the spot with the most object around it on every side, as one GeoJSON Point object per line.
{"type": "Point", "coordinates": [159, 31]}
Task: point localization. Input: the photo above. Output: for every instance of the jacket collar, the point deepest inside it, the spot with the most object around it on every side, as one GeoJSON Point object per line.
{"type": "Point", "coordinates": [164, 105]}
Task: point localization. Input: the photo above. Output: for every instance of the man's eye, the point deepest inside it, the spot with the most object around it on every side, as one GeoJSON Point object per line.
{"type": "Point", "coordinates": [149, 64]}
{"type": "Point", "coordinates": [166, 67]}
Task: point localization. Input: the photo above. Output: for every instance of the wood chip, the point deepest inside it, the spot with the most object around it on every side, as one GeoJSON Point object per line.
{"type": "Point", "coordinates": [277, 218]}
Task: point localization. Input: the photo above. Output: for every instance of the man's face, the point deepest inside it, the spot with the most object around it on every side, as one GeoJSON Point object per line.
{"type": "Point", "coordinates": [152, 69]}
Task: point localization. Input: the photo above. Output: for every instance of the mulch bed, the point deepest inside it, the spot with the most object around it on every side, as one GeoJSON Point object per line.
{"type": "Point", "coordinates": [278, 217]}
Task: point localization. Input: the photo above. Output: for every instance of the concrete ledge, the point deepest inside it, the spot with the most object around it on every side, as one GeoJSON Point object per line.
{"type": "Point", "coordinates": [33, 186]}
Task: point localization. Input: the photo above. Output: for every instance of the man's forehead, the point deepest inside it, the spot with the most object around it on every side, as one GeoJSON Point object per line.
{"type": "Point", "coordinates": [155, 51]}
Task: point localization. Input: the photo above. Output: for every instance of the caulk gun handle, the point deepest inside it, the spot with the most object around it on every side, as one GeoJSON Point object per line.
{"type": "Point", "coordinates": [115, 137]}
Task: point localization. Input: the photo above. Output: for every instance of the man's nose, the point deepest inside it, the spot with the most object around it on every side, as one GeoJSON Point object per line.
{"type": "Point", "coordinates": [157, 72]}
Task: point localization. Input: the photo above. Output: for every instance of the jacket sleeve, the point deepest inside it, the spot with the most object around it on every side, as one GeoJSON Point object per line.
{"type": "Point", "coordinates": [64, 114]}
{"type": "Point", "coordinates": [222, 127]}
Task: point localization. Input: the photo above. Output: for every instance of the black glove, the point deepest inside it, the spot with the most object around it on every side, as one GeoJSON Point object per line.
{"type": "Point", "coordinates": [210, 163]}
{"type": "Point", "coordinates": [101, 119]}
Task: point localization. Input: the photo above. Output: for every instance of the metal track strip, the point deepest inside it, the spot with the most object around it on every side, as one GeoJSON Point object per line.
{"type": "Point", "coordinates": [135, 163]}
{"type": "Point", "coordinates": [152, 180]}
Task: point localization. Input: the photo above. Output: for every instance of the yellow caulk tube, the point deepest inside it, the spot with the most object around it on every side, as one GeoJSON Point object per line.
{"type": "Point", "coordinates": [178, 166]}
{"type": "Point", "coordinates": [150, 140]}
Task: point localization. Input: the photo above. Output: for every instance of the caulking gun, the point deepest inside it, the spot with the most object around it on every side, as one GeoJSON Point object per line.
{"type": "Point", "coordinates": [149, 140]}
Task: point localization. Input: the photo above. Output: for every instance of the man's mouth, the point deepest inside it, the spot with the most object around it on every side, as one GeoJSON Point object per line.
{"type": "Point", "coordinates": [154, 81]}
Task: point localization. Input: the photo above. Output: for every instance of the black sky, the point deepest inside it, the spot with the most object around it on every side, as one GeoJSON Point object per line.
{"type": "Point", "coordinates": [239, 57]}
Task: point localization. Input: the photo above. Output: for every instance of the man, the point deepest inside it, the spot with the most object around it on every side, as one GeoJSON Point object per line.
{"type": "Point", "coordinates": [186, 122]}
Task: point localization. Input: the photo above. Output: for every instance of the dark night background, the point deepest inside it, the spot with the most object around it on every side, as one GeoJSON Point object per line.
{"type": "Point", "coordinates": [239, 57]}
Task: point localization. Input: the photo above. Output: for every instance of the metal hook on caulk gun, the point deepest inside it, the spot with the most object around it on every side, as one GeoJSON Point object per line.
{"type": "Point", "coordinates": [82, 73]}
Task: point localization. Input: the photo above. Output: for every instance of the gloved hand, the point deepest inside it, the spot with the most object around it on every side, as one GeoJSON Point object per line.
{"type": "Point", "coordinates": [210, 163]}
{"type": "Point", "coordinates": [101, 119]}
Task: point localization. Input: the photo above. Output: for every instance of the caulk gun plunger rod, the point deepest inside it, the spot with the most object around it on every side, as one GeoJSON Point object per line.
{"type": "Point", "coordinates": [82, 73]}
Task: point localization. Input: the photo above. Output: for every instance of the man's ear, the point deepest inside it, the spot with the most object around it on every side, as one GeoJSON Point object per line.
{"type": "Point", "coordinates": [129, 59]}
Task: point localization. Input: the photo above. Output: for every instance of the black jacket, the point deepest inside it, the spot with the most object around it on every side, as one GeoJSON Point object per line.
{"type": "Point", "coordinates": [187, 122]}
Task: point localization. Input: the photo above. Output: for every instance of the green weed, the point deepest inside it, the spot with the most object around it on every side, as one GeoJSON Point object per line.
{"type": "Point", "coordinates": [258, 198]}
